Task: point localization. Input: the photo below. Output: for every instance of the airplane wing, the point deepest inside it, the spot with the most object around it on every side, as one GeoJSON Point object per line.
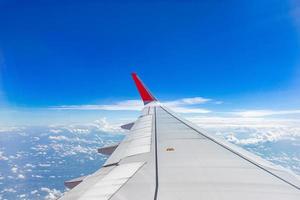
{"type": "Point", "coordinates": [166, 157]}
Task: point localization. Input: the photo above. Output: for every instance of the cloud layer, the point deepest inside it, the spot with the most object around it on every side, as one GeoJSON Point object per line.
{"type": "Point", "coordinates": [193, 105]}
{"type": "Point", "coordinates": [184, 105]}
{"type": "Point", "coordinates": [264, 113]}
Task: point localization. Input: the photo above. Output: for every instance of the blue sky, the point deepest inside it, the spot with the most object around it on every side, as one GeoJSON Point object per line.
{"type": "Point", "coordinates": [241, 55]}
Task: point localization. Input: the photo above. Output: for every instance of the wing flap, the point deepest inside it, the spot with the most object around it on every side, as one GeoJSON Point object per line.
{"type": "Point", "coordinates": [108, 150]}
{"type": "Point", "coordinates": [114, 180]}
{"type": "Point", "coordinates": [138, 140]}
{"type": "Point", "coordinates": [127, 126]}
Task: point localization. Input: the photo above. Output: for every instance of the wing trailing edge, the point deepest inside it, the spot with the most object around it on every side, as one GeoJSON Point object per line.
{"type": "Point", "coordinates": [145, 94]}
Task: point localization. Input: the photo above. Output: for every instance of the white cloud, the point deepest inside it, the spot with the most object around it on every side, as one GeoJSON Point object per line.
{"type": "Point", "coordinates": [22, 196]}
{"type": "Point", "coordinates": [36, 138]}
{"type": "Point", "coordinates": [44, 165]}
{"type": "Point", "coordinates": [187, 101]}
{"type": "Point", "coordinates": [59, 137]}
{"type": "Point", "coordinates": [82, 149]}
{"type": "Point", "coordinates": [180, 105]}
{"type": "Point", "coordinates": [21, 176]}
{"type": "Point", "coordinates": [71, 150]}
{"type": "Point", "coordinates": [184, 105]}
{"type": "Point", "coordinates": [11, 129]}
{"type": "Point", "coordinates": [219, 102]}
{"type": "Point", "coordinates": [257, 136]}
{"type": "Point", "coordinates": [14, 170]}
{"type": "Point", "coordinates": [81, 129]}
{"type": "Point", "coordinates": [40, 148]}
{"type": "Point", "coordinates": [105, 126]}
{"type": "Point", "coordinates": [2, 157]}
{"type": "Point", "coordinates": [186, 110]}
{"type": "Point", "coordinates": [215, 121]}
{"type": "Point", "coordinates": [33, 192]}
{"type": "Point", "coordinates": [101, 124]}
{"type": "Point", "coordinates": [11, 190]}
{"type": "Point", "coordinates": [36, 176]}
{"type": "Point", "coordinates": [52, 194]}
{"type": "Point", "coordinates": [127, 105]}
{"type": "Point", "coordinates": [55, 131]}
{"type": "Point", "coordinates": [263, 113]}
{"type": "Point", "coordinates": [71, 139]}
{"type": "Point", "coordinates": [246, 131]}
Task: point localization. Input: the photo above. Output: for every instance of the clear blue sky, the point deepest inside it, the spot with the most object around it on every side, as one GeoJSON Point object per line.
{"type": "Point", "coordinates": [245, 53]}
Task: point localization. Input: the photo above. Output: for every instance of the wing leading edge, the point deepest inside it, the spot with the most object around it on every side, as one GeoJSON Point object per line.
{"type": "Point", "coordinates": [167, 157]}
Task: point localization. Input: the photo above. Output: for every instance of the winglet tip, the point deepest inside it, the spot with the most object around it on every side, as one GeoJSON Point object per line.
{"type": "Point", "coordinates": [134, 75]}
{"type": "Point", "coordinates": [145, 94]}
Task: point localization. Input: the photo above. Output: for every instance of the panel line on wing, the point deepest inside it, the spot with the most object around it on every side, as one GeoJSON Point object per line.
{"type": "Point", "coordinates": [156, 156]}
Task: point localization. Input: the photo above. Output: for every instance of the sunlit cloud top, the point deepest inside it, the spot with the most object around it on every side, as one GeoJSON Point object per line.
{"type": "Point", "coordinates": [179, 105]}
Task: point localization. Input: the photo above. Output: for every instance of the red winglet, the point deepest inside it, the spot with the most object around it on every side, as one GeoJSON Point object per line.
{"type": "Point", "coordinates": [146, 96]}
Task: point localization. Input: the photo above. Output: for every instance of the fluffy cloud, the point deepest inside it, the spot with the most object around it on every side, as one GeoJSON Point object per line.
{"type": "Point", "coordinates": [52, 194]}
{"type": "Point", "coordinates": [261, 135]}
{"type": "Point", "coordinates": [12, 190]}
{"type": "Point", "coordinates": [100, 125]}
{"type": "Point", "coordinates": [59, 137]}
{"type": "Point", "coordinates": [21, 176]}
{"type": "Point", "coordinates": [11, 129]}
{"type": "Point", "coordinates": [2, 157]}
{"type": "Point", "coordinates": [55, 130]}
{"type": "Point", "coordinates": [134, 105]}
{"type": "Point", "coordinates": [14, 169]}
{"type": "Point", "coordinates": [181, 109]}
{"type": "Point", "coordinates": [216, 121]}
{"type": "Point", "coordinates": [245, 131]}
{"type": "Point", "coordinates": [105, 126]}
{"type": "Point", "coordinates": [180, 105]}
{"type": "Point", "coordinates": [186, 105]}
{"type": "Point", "coordinates": [250, 131]}
{"type": "Point", "coordinates": [263, 113]}
{"type": "Point", "coordinates": [187, 101]}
